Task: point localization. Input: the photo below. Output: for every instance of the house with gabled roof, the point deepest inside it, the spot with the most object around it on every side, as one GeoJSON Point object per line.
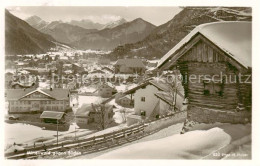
{"type": "Point", "coordinates": [216, 64]}
{"type": "Point", "coordinates": [129, 66]}
{"type": "Point", "coordinates": [37, 100]}
{"type": "Point", "coordinates": [88, 114]}
{"type": "Point", "coordinates": [151, 99]}
{"type": "Point", "coordinates": [126, 101]}
{"type": "Point", "coordinates": [52, 117]}
{"type": "Point", "coordinates": [106, 89]}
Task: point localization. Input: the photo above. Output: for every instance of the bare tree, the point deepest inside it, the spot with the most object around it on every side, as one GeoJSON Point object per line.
{"type": "Point", "coordinates": [174, 85]}
{"type": "Point", "coordinates": [123, 114]}
{"type": "Point", "coordinates": [104, 115]}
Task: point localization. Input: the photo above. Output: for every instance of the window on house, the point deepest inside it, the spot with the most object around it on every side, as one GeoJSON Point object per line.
{"type": "Point", "coordinates": [211, 88]}
{"type": "Point", "coordinates": [143, 113]}
{"type": "Point", "coordinates": [143, 99]}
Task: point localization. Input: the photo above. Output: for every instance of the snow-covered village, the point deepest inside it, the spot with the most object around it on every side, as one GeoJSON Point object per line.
{"type": "Point", "coordinates": [133, 86]}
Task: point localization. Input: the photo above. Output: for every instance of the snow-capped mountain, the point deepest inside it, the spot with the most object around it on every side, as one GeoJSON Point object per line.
{"type": "Point", "coordinates": [109, 38]}
{"type": "Point", "coordinates": [64, 32]}
{"type": "Point", "coordinates": [60, 31]}
{"type": "Point", "coordinates": [113, 24]}
{"type": "Point", "coordinates": [88, 24]}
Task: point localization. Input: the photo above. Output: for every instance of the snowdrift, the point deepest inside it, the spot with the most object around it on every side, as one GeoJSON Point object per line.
{"type": "Point", "coordinates": [191, 145]}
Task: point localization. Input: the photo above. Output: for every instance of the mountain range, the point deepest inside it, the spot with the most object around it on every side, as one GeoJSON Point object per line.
{"type": "Point", "coordinates": [110, 36]}
{"type": "Point", "coordinates": [21, 38]}
{"type": "Point", "coordinates": [134, 38]}
{"type": "Point", "coordinates": [88, 24]}
{"type": "Point", "coordinates": [166, 36]}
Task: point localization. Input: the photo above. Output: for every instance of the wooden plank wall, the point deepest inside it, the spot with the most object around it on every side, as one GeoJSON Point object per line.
{"type": "Point", "coordinates": [203, 59]}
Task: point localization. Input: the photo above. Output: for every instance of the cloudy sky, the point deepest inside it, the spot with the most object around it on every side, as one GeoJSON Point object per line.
{"type": "Point", "coordinates": [155, 15]}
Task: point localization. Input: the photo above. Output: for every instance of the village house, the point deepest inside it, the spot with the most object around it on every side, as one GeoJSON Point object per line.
{"type": "Point", "coordinates": [129, 66]}
{"type": "Point", "coordinates": [108, 70]}
{"type": "Point", "coordinates": [52, 117]}
{"type": "Point", "coordinates": [103, 61]}
{"type": "Point", "coordinates": [152, 99]}
{"type": "Point", "coordinates": [220, 53]}
{"type": "Point", "coordinates": [31, 100]}
{"type": "Point", "coordinates": [77, 68]}
{"type": "Point", "coordinates": [126, 101]}
{"type": "Point", "coordinates": [88, 114]}
{"type": "Point", "coordinates": [8, 79]}
{"type": "Point", "coordinates": [97, 71]}
{"type": "Point", "coordinates": [40, 71]}
{"type": "Point", "coordinates": [106, 90]}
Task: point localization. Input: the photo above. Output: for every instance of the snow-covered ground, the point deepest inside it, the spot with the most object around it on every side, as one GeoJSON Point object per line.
{"type": "Point", "coordinates": [171, 130]}
{"type": "Point", "coordinates": [87, 89]}
{"type": "Point", "coordinates": [120, 117]}
{"type": "Point", "coordinates": [44, 85]}
{"type": "Point", "coordinates": [236, 131]}
{"type": "Point", "coordinates": [21, 133]}
{"type": "Point", "coordinates": [124, 87]}
{"type": "Point", "coordinates": [80, 100]}
{"type": "Point", "coordinates": [191, 145]}
{"type": "Point", "coordinates": [168, 143]}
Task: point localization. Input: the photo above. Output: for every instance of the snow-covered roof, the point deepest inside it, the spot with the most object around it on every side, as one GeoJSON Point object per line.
{"type": "Point", "coordinates": [56, 93]}
{"type": "Point", "coordinates": [131, 63]}
{"type": "Point", "coordinates": [233, 37]}
{"type": "Point", "coordinates": [52, 115]}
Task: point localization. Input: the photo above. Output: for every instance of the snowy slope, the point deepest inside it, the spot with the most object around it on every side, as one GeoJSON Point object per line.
{"type": "Point", "coordinates": [191, 145]}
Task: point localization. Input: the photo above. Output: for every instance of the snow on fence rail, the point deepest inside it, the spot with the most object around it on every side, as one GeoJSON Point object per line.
{"type": "Point", "coordinates": [166, 121]}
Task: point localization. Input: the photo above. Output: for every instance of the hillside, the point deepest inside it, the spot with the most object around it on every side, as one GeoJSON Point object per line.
{"type": "Point", "coordinates": [166, 36]}
{"type": "Point", "coordinates": [64, 32]}
{"type": "Point", "coordinates": [110, 38]}
{"type": "Point", "coordinates": [36, 22]}
{"type": "Point", "coordinates": [21, 38]}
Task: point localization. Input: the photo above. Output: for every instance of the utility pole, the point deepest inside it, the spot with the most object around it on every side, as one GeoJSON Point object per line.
{"type": "Point", "coordinates": [57, 132]}
{"type": "Point", "coordinates": [75, 133]}
{"type": "Point", "coordinates": [175, 95]}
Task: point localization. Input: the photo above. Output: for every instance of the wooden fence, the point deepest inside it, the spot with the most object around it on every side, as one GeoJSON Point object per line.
{"type": "Point", "coordinates": [111, 138]}
{"type": "Point", "coordinates": [92, 144]}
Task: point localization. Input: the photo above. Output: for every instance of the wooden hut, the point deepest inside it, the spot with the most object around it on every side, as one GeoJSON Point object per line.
{"type": "Point", "coordinates": [52, 117]}
{"type": "Point", "coordinates": [214, 60]}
